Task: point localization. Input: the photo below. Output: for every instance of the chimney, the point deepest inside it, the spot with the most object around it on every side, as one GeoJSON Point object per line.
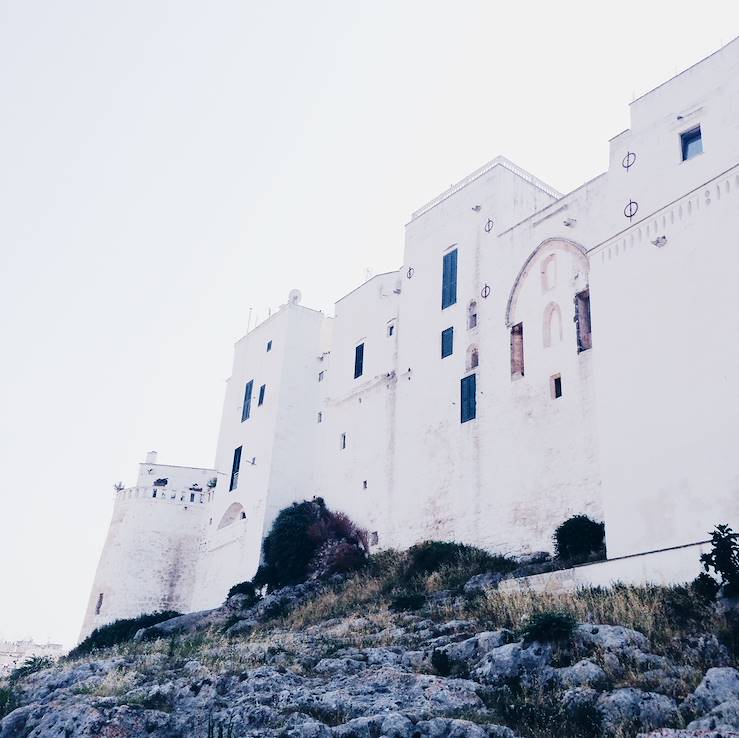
{"type": "Point", "coordinates": [151, 457]}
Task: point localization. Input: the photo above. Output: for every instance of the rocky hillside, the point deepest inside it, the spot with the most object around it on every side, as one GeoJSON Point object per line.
{"type": "Point", "coordinates": [369, 655]}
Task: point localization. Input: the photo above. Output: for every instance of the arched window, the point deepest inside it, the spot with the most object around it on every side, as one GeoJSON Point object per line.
{"type": "Point", "coordinates": [552, 324]}
{"type": "Point", "coordinates": [235, 511]}
{"type": "Point", "coordinates": [473, 358]}
{"type": "Point", "coordinates": [472, 315]}
{"type": "Point", "coordinates": [549, 273]}
{"type": "Point", "coordinates": [517, 351]}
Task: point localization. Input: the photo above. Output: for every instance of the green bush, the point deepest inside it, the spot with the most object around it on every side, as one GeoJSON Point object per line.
{"type": "Point", "coordinates": [579, 538]}
{"type": "Point", "coordinates": [723, 558]}
{"type": "Point", "coordinates": [684, 606]}
{"type": "Point", "coordinates": [30, 666]}
{"type": "Point", "coordinates": [253, 595]}
{"type": "Point", "coordinates": [408, 602]}
{"type": "Point", "coordinates": [429, 557]}
{"type": "Point", "coordinates": [309, 539]}
{"type": "Point", "coordinates": [8, 702]}
{"type": "Point", "coordinates": [549, 625]}
{"type": "Point", "coordinates": [119, 631]}
{"type": "Point", "coordinates": [705, 587]}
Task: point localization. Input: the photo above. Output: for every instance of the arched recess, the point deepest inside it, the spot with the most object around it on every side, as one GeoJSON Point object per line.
{"type": "Point", "coordinates": [552, 324]}
{"type": "Point", "coordinates": [550, 245]}
{"type": "Point", "coordinates": [234, 512]}
{"type": "Point", "coordinates": [472, 358]}
{"type": "Point", "coordinates": [548, 272]}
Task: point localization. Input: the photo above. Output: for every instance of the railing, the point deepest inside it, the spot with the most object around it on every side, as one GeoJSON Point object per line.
{"type": "Point", "coordinates": [174, 495]}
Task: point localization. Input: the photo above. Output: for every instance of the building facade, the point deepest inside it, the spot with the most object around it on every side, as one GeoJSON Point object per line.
{"type": "Point", "coordinates": [537, 355]}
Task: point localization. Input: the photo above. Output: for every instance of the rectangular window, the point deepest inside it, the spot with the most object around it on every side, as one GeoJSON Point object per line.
{"type": "Point", "coordinates": [320, 417]}
{"type": "Point", "coordinates": [390, 329]}
{"type": "Point", "coordinates": [99, 604]}
{"type": "Point", "coordinates": [262, 390]}
{"type": "Point", "coordinates": [582, 321]}
{"type": "Point", "coordinates": [449, 280]}
{"type": "Point", "coordinates": [517, 351]}
{"type": "Point", "coordinates": [447, 342]}
{"type": "Point", "coordinates": [246, 407]}
{"type": "Point", "coordinates": [269, 345]}
{"type": "Point", "coordinates": [358, 360]}
{"type": "Point", "coordinates": [321, 375]}
{"type": "Point", "coordinates": [556, 386]}
{"type": "Point", "coordinates": [691, 143]}
{"type": "Point", "coordinates": [468, 399]}
{"type": "Point", "coordinates": [342, 441]}
{"type": "Point", "coordinates": [235, 469]}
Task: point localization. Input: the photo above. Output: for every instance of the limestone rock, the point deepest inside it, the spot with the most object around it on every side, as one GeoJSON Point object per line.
{"type": "Point", "coordinates": [647, 710]}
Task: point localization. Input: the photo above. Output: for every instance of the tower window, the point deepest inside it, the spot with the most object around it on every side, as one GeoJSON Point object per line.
{"type": "Point", "coordinates": [691, 143]}
{"type": "Point", "coordinates": [342, 441]}
{"type": "Point", "coordinates": [246, 407]}
{"type": "Point", "coordinates": [556, 386]}
{"type": "Point", "coordinates": [269, 345]}
{"type": "Point", "coordinates": [449, 280]}
{"type": "Point", "coordinates": [235, 469]}
{"type": "Point", "coordinates": [447, 342]}
{"type": "Point", "coordinates": [358, 360]}
{"type": "Point", "coordinates": [517, 351]}
{"type": "Point", "coordinates": [262, 390]}
{"type": "Point", "coordinates": [468, 399]}
{"type": "Point", "coordinates": [99, 604]}
{"type": "Point", "coordinates": [390, 329]}
{"type": "Point", "coordinates": [582, 321]}
{"type": "Point", "coordinates": [321, 375]}
{"type": "Point", "coordinates": [320, 417]}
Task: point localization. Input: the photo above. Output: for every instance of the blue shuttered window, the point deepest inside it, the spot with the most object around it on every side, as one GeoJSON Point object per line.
{"type": "Point", "coordinates": [447, 342]}
{"type": "Point", "coordinates": [468, 399]}
{"type": "Point", "coordinates": [358, 360]}
{"type": "Point", "coordinates": [235, 469]}
{"type": "Point", "coordinates": [449, 280]}
{"type": "Point", "coordinates": [262, 390]}
{"type": "Point", "coordinates": [246, 407]}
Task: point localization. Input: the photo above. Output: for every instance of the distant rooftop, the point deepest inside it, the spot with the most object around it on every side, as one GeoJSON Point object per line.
{"type": "Point", "coordinates": [499, 161]}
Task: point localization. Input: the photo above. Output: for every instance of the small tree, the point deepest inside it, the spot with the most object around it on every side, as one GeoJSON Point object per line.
{"type": "Point", "coordinates": [723, 558]}
{"type": "Point", "coordinates": [579, 538]}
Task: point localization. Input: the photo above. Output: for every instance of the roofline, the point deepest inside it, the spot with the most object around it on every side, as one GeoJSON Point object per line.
{"type": "Point", "coordinates": [687, 69]}
{"type": "Point", "coordinates": [499, 161]}
{"type": "Point", "coordinates": [366, 281]}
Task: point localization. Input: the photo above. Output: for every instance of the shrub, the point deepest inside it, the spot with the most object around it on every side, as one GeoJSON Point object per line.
{"type": "Point", "coordinates": [684, 606]}
{"type": "Point", "coordinates": [408, 602]}
{"type": "Point", "coordinates": [579, 538]}
{"type": "Point", "coordinates": [429, 557]}
{"type": "Point", "coordinates": [119, 631]}
{"type": "Point", "coordinates": [253, 595]}
{"type": "Point", "coordinates": [723, 558]}
{"type": "Point", "coordinates": [705, 587]}
{"type": "Point", "coordinates": [441, 662]}
{"type": "Point", "coordinates": [8, 701]}
{"type": "Point", "coordinates": [549, 625]}
{"type": "Point", "coordinates": [30, 666]}
{"type": "Point", "coordinates": [304, 540]}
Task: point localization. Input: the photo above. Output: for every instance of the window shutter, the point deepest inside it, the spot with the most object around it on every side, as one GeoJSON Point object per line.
{"type": "Point", "coordinates": [246, 409]}
{"type": "Point", "coordinates": [358, 360]}
{"type": "Point", "coordinates": [235, 469]}
{"type": "Point", "coordinates": [468, 400]}
{"type": "Point", "coordinates": [449, 280]}
{"type": "Point", "coordinates": [447, 342]}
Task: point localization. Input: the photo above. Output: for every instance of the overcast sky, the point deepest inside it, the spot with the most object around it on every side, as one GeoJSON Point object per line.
{"type": "Point", "coordinates": [167, 166]}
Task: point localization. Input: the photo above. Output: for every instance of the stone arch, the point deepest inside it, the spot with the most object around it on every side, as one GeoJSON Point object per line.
{"type": "Point", "coordinates": [473, 357]}
{"type": "Point", "coordinates": [235, 511]}
{"type": "Point", "coordinates": [549, 272]}
{"type": "Point", "coordinates": [552, 329]}
{"type": "Point", "coordinates": [550, 245]}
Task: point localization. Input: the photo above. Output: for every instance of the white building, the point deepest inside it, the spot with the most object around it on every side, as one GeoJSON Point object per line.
{"type": "Point", "coordinates": [466, 396]}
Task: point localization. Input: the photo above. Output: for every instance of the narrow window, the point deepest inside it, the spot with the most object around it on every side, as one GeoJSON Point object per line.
{"type": "Point", "coordinates": [246, 407]}
{"type": "Point", "coordinates": [262, 390]}
{"type": "Point", "coordinates": [342, 441]}
{"type": "Point", "coordinates": [517, 350]}
{"type": "Point", "coordinates": [449, 280]}
{"type": "Point", "coordinates": [390, 329]}
{"type": "Point", "coordinates": [99, 604]}
{"type": "Point", "coordinates": [473, 358]}
{"type": "Point", "coordinates": [472, 315]}
{"type": "Point", "coordinates": [269, 345]}
{"type": "Point", "coordinates": [320, 417]}
{"type": "Point", "coordinates": [192, 497]}
{"type": "Point", "coordinates": [447, 342]}
{"type": "Point", "coordinates": [235, 469]}
{"type": "Point", "coordinates": [555, 385]}
{"type": "Point", "coordinates": [468, 400]}
{"type": "Point", "coordinates": [243, 515]}
{"type": "Point", "coordinates": [364, 484]}
{"type": "Point", "coordinates": [154, 493]}
{"type": "Point", "coordinates": [691, 143]}
{"type": "Point", "coordinates": [358, 360]}
{"type": "Point", "coordinates": [582, 321]}
{"type": "Point", "coordinates": [552, 329]}
{"type": "Point", "coordinates": [321, 375]}
{"type": "Point", "coordinates": [374, 538]}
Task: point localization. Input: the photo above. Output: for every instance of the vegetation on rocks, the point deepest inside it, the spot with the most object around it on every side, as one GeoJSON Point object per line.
{"type": "Point", "coordinates": [580, 539]}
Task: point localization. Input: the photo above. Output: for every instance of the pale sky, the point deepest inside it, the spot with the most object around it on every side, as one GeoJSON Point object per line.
{"type": "Point", "coordinates": [166, 166]}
